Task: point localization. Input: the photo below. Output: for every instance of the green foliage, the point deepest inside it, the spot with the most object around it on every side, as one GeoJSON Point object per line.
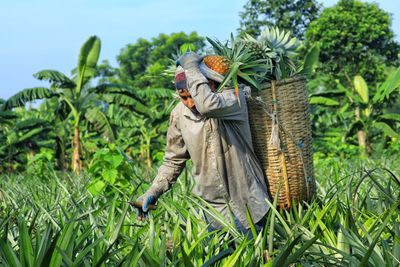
{"type": "Point", "coordinates": [292, 15]}
{"type": "Point", "coordinates": [256, 61]}
{"type": "Point", "coordinates": [277, 47]}
{"type": "Point", "coordinates": [142, 64]}
{"type": "Point", "coordinates": [27, 95]}
{"type": "Point", "coordinates": [41, 164]}
{"type": "Point", "coordinates": [362, 111]}
{"type": "Point", "coordinates": [21, 140]}
{"type": "Point", "coordinates": [241, 63]}
{"type": "Point", "coordinates": [311, 60]}
{"type": "Point", "coordinates": [57, 222]}
{"type": "Point", "coordinates": [355, 39]}
{"type": "Point", "coordinates": [110, 172]}
{"type": "Point", "coordinates": [75, 99]}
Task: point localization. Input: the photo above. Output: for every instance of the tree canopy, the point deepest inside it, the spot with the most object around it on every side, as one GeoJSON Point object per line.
{"type": "Point", "coordinates": [143, 63]}
{"type": "Point", "coordinates": [293, 15]}
{"type": "Point", "coordinates": [355, 39]}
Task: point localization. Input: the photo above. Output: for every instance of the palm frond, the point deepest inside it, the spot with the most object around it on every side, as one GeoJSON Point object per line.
{"type": "Point", "coordinates": [31, 123]}
{"type": "Point", "coordinates": [127, 101]}
{"type": "Point", "coordinates": [27, 95]}
{"type": "Point", "coordinates": [6, 116]}
{"type": "Point", "coordinates": [156, 92]}
{"type": "Point", "coordinates": [101, 123]}
{"type": "Point", "coordinates": [87, 62]}
{"type": "Point", "coordinates": [55, 78]}
{"type": "Point", "coordinates": [115, 88]}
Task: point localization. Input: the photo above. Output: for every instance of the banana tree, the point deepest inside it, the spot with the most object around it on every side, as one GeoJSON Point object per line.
{"type": "Point", "coordinates": [366, 109]}
{"type": "Point", "coordinates": [22, 140]}
{"type": "Point", "coordinates": [77, 100]}
{"type": "Point", "coordinates": [132, 119]}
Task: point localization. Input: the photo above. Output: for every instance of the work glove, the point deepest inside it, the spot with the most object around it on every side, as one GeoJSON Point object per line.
{"type": "Point", "coordinates": [148, 198]}
{"type": "Point", "coordinates": [189, 60]}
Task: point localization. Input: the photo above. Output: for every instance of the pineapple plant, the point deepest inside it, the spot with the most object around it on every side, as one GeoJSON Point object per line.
{"type": "Point", "coordinates": [234, 61]}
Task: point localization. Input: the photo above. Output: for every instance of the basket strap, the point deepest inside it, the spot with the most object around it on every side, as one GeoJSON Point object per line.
{"type": "Point", "coordinates": [276, 142]}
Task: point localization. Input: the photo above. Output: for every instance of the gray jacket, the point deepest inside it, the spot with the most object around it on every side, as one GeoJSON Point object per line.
{"type": "Point", "coordinates": [218, 141]}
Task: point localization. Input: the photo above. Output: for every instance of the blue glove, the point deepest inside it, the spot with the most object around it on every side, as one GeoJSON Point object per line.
{"type": "Point", "coordinates": [147, 199]}
{"type": "Point", "coordinates": [189, 60]}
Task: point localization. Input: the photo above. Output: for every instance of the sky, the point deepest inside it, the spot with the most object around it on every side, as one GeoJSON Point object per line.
{"type": "Point", "coordinates": [48, 34]}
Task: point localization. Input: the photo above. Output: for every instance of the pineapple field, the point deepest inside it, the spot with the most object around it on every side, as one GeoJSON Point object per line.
{"type": "Point", "coordinates": [55, 221]}
{"type": "Point", "coordinates": [322, 93]}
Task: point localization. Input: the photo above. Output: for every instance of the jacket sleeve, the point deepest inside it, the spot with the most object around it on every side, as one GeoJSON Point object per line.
{"type": "Point", "coordinates": [223, 105]}
{"type": "Point", "coordinates": [174, 161]}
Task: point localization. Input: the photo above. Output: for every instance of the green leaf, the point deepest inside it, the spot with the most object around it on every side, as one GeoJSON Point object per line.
{"type": "Point", "coordinates": [387, 217]}
{"type": "Point", "coordinates": [390, 116]}
{"type": "Point", "coordinates": [110, 175]}
{"type": "Point", "coordinates": [63, 243]}
{"type": "Point", "coordinates": [26, 248]}
{"type": "Point", "coordinates": [9, 255]}
{"type": "Point", "coordinates": [386, 129]}
{"type": "Point", "coordinates": [117, 230]}
{"type": "Point", "coordinates": [87, 61]}
{"type": "Point", "coordinates": [295, 257]}
{"type": "Point", "coordinates": [388, 86]}
{"type": "Point", "coordinates": [311, 60]}
{"type": "Point", "coordinates": [117, 160]}
{"type": "Point", "coordinates": [186, 47]}
{"type": "Point", "coordinates": [281, 259]}
{"type": "Point", "coordinates": [361, 88]}
{"type": "Point", "coordinates": [216, 258]}
{"type": "Point", "coordinates": [44, 245]}
{"type": "Point", "coordinates": [56, 78]}
{"type": "Point", "coordinates": [96, 187]}
{"type": "Point", "coordinates": [27, 95]}
{"type": "Point", "coordinates": [320, 100]}
{"type": "Point", "coordinates": [251, 223]}
{"type": "Point", "coordinates": [101, 123]}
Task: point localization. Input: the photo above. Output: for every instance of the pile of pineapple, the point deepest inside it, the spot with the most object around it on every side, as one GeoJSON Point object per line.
{"type": "Point", "coordinates": [255, 61]}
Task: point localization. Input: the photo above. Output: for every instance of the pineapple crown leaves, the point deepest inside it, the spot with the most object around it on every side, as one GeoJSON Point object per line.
{"type": "Point", "coordinates": [278, 40]}
{"type": "Point", "coordinates": [277, 48]}
{"type": "Point", "coordinates": [241, 61]}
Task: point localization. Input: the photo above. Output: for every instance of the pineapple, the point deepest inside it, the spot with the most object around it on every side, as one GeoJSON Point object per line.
{"type": "Point", "coordinates": [238, 61]}
{"type": "Point", "coordinates": [217, 63]}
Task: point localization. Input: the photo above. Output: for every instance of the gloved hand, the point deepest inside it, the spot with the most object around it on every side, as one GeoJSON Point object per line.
{"type": "Point", "coordinates": [148, 198]}
{"type": "Point", "coordinates": [189, 60]}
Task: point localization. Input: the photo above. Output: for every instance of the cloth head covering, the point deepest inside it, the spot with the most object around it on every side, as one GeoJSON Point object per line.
{"type": "Point", "coordinates": [180, 78]}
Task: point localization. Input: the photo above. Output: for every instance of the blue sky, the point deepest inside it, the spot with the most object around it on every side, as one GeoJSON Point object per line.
{"type": "Point", "coordinates": [47, 34]}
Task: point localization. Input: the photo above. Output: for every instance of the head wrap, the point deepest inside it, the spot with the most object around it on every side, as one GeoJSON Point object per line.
{"type": "Point", "coordinates": [180, 78]}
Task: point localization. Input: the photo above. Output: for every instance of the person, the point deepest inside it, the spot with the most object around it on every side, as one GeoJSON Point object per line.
{"type": "Point", "coordinates": [212, 129]}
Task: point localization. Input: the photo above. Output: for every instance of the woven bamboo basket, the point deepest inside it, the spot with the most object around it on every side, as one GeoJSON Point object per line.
{"type": "Point", "coordinates": [279, 119]}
